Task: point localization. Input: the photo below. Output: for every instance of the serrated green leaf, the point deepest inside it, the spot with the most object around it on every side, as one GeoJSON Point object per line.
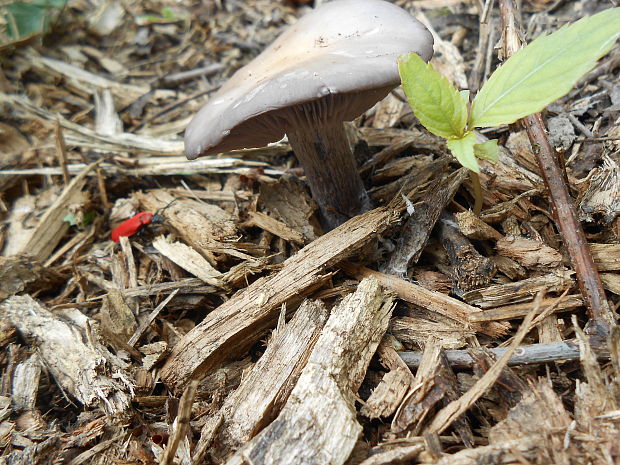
{"type": "Point", "coordinates": [544, 70]}
{"type": "Point", "coordinates": [487, 150]}
{"type": "Point", "coordinates": [463, 149]}
{"type": "Point", "coordinates": [435, 101]}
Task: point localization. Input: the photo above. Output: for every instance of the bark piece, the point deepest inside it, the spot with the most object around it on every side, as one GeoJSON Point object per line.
{"type": "Point", "coordinates": [234, 326]}
{"type": "Point", "coordinates": [418, 227]}
{"type": "Point", "coordinates": [471, 269]}
{"type": "Point", "coordinates": [606, 256]}
{"type": "Point", "coordinates": [77, 362]}
{"type": "Point", "coordinates": [22, 273]}
{"type": "Point", "coordinates": [288, 201]}
{"type": "Point", "coordinates": [318, 424]}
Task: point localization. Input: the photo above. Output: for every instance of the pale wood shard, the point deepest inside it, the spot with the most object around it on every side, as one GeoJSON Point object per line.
{"type": "Point", "coordinates": [25, 383]}
{"type": "Point", "coordinates": [414, 331]}
{"type": "Point", "coordinates": [263, 391]}
{"type": "Point", "coordinates": [520, 291]}
{"type": "Point", "coordinates": [611, 282]}
{"type": "Point", "coordinates": [427, 299]}
{"type": "Point", "coordinates": [606, 256]}
{"type": "Point", "coordinates": [188, 259]}
{"type": "Point", "coordinates": [52, 226]}
{"type": "Point", "coordinates": [473, 227]}
{"type": "Point", "coordinates": [231, 328]}
{"type": "Point", "coordinates": [529, 253]}
{"type": "Point", "coordinates": [397, 454]}
{"type": "Point", "coordinates": [78, 363]}
{"type": "Point", "coordinates": [388, 394]}
{"type": "Point", "coordinates": [318, 424]}
{"type": "Point", "coordinates": [275, 227]}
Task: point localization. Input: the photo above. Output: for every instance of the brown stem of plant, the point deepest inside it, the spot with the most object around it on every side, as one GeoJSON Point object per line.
{"type": "Point", "coordinates": [564, 211]}
{"type": "Point", "coordinates": [475, 182]}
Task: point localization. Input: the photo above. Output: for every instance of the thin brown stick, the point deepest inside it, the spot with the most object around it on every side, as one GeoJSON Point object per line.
{"type": "Point", "coordinates": [564, 211]}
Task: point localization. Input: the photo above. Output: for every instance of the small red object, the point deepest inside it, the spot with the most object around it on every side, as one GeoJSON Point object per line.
{"type": "Point", "coordinates": [131, 226]}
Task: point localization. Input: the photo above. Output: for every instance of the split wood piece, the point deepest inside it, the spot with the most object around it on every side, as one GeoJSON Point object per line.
{"type": "Point", "coordinates": [511, 312]}
{"type": "Point", "coordinates": [417, 229]}
{"type": "Point", "coordinates": [435, 384]}
{"type": "Point", "coordinates": [506, 453]}
{"type": "Point", "coordinates": [52, 226]}
{"type": "Point", "coordinates": [262, 393]}
{"type": "Point", "coordinates": [519, 291]}
{"type": "Point", "coordinates": [611, 281]}
{"type": "Point", "coordinates": [318, 424]}
{"type": "Point", "coordinates": [566, 350]}
{"type": "Point", "coordinates": [79, 367]}
{"type": "Point", "coordinates": [188, 259]}
{"type": "Point", "coordinates": [234, 326]}
{"type": "Point", "coordinates": [472, 270]}
{"type": "Point", "coordinates": [606, 256]}
{"type": "Point", "coordinates": [288, 200]}
{"type": "Point", "coordinates": [389, 393]}
{"type": "Point", "coordinates": [198, 223]}
{"type": "Point", "coordinates": [181, 426]}
{"type": "Point", "coordinates": [414, 330]}
{"type": "Point", "coordinates": [275, 227]}
{"type": "Point", "coordinates": [473, 227]}
{"type": "Point", "coordinates": [529, 253]}
{"type": "Point", "coordinates": [415, 183]}
{"type": "Point", "coordinates": [427, 299]}
{"type": "Point", "coordinates": [562, 205]}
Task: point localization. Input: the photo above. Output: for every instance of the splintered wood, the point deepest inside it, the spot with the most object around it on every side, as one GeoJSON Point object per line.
{"type": "Point", "coordinates": [318, 424]}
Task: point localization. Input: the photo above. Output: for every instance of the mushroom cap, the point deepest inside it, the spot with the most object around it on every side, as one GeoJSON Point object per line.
{"type": "Point", "coordinates": [331, 65]}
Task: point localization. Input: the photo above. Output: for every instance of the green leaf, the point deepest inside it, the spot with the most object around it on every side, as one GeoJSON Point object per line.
{"type": "Point", "coordinates": [435, 101]}
{"type": "Point", "coordinates": [463, 149]}
{"type": "Point", "coordinates": [70, 218]}
{"type": "Point", "coordinates": [24, 19]}
{"type": "Point", "coordinates": [487, 150]}
{"type": "Point", "coordinates": [544, 70]}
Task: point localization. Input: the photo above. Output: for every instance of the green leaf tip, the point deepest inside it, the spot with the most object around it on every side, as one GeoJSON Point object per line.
{"type": "Point", "coordinates": [463, 149]}
{"type": "Point", "coordinates": [436, 103]}
{"type": "Point", "coordinates": [544, 70]}
{"type": "Point", "coordinates": [487, 150]}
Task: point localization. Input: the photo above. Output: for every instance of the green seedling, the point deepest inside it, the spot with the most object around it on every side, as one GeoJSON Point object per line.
{"type": "Point", "coordinates": [526, 83]}
{"type": "Point", "coordinates": [26, 19]}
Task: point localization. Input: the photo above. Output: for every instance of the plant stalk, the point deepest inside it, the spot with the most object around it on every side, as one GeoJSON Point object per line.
{"type": "Point", "coordinates": [564, 210]}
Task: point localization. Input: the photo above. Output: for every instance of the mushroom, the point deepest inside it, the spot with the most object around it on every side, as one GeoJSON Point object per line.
{"type": "Point", "coordinates": [329, 67]}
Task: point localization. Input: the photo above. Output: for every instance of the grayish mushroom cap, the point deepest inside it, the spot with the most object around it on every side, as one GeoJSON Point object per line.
{"type": "Point", "coordinates": [331, 65]}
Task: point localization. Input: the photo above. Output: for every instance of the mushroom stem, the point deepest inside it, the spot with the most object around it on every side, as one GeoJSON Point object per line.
{"type": "Point", "coordinates": [330, 168]}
